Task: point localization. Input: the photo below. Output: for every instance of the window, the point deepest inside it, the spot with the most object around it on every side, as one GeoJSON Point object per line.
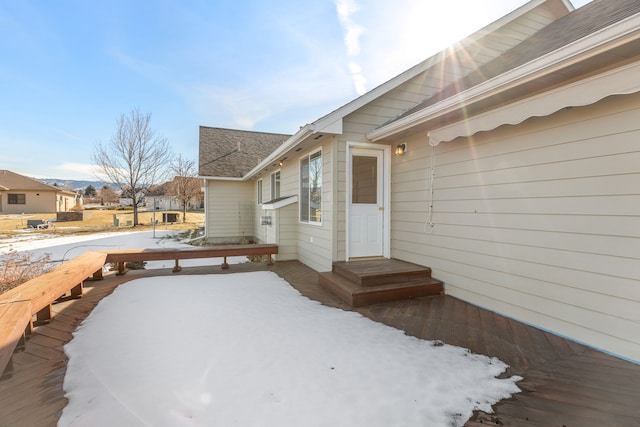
{"type": "Point", "coordinates": [275, 185]}
{"type": "Point", "coordinates": [17, 199]}
{"type": "Point", "coordinates": [311, 188]}
{"type": "Point", "coordinates": [259, 191]}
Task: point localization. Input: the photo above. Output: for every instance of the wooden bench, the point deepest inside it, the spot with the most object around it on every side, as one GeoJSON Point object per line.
{"type": "Point", "coordinates": [16, 323]}
{"type": "Point", "coordinates": [19, 305]}
{"type": "Point", "coordinates": [121, 257]}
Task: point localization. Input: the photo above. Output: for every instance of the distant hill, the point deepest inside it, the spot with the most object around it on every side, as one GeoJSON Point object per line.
{"type": "Point", "coordinates": [76, 184]}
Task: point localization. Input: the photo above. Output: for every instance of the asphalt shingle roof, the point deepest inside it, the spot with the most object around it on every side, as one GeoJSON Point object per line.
{"type": "Point", "coordinates": [12, 181]}
{"type": "Point", "coordinates": [233, 153]}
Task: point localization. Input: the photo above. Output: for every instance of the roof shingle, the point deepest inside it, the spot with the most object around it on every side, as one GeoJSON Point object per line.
{"type": "Point", "coordinates": [12, 181]}
{"type": "Point", "coordinates": [232, 153]}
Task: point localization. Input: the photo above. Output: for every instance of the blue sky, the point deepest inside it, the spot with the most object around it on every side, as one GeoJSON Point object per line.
{"type": "Point", "coordinates": [70, 68]}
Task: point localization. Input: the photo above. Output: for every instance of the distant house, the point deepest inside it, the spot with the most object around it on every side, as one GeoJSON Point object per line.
{"type": "Point", "coordinates": [509, 163]}
{"type": "Point", "coordinates": [19, 194]}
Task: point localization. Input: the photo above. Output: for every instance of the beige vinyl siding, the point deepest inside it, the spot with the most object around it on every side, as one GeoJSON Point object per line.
{"type": "Point", "coordinates": [230, 210]}
{"type": "Point", "coordinates": [314, 242]}
{"type": "Point", "coordinates": [539, 221]}
{"type": "Point", "coordinates": [286, 223]}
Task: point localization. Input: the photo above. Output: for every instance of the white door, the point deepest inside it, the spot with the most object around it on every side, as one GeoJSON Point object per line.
{"type": "Point", "coordinates": [366, 204]}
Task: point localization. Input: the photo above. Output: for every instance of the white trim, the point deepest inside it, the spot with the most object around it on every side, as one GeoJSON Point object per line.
{"type": "Point", "coordinates": [259, 185]}
{"type": "Point", "coordinates": [271, 182]}
{"type": "Point", "coordinates": [281, 203]}
{"type": "Point", "coordinates": [623, 80]}
{"type": "Point", "coordinates": [294, 140]}
{"type": "Point", "coordinates": [595, 43]}
{"type": "Point", "coordinates": [219, 178]}
{"type": "Point", "coordinates": [322, 213]}
{"type": "Point", "coordinates": [386, 191]}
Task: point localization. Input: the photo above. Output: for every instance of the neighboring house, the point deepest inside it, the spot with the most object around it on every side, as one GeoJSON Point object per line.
{"type": "Point", "coordinates": [519, 184]}
{"type": "Point", "coordinates": [19, 194]}
{"type": "Point", "coordinates": [173, 203]}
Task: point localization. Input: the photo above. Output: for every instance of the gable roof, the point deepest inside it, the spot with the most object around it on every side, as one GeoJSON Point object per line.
{"type": "Point", "coordinates": [488, 42]}
{"type": "Point", "coordinates": [590, 38]}
{"type": "Point", "coordinates": [11, 181]}
{"type": "Point", "coordinates": [231, 153]}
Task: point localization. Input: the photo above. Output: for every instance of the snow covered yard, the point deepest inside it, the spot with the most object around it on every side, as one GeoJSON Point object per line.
{"type": "Point", "coordinates": [247, 349]}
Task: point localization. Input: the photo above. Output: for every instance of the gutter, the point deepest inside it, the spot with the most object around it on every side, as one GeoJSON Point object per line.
{"type": "Point", "coordinates": [219, 178]}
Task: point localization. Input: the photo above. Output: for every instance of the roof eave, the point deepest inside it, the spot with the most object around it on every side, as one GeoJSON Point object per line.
{"type": "Point", "coordinates": [219, 178]}
{"type": "Point", "coordinates": [290, 143]}
{"type": "Point", "coordinates": [551, 62]}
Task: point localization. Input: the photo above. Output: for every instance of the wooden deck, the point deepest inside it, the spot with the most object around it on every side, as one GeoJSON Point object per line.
{"type": "Point", "coordinates": [565, 384]}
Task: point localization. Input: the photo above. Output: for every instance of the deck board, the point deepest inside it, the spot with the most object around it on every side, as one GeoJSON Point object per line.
{"type": "Point", "coordinates": [564, 382]}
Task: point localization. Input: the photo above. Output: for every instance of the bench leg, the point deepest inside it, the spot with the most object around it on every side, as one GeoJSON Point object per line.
{"type": "Point", "coordinates": [177, 267]}
{"type": "Point", "coordinates": [44, 315]}
{"type": "Point", "coordinates": [97, 275]}
{"type": "Point", "coordinates": [8, 370]}
{"type": "Point", "coordinates": [28, 331]}
{"type": "Point", "coordinates": [121, 269]}
{"type": "Point", "coordinates": [22, 343]}
{"type": "Point", "coordinates": [76, 291]}
{"type": "Point", "coordinates": [225, 266]}
{"type": "Point", "coordinates": [269, 260]}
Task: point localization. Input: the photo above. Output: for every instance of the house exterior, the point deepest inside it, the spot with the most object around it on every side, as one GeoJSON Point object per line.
{"type": "Point", "coordinates": [516, 178]}
{"type": "Point", "coordinates": [20, 194]}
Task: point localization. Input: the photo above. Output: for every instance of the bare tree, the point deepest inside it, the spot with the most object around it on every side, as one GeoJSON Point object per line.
{"type": "Point", "coordinates": [136, 156]}
{"type": "Point", "coordinates": [107, 195]}
{"type": "Point", "coordinates": [185, 185]}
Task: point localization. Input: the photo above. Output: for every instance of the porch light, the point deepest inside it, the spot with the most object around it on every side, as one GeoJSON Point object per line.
{"type": "Point", "coordinates": [401, 149]}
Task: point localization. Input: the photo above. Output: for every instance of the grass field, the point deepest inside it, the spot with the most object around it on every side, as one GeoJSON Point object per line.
{"type": "Point", "coordinates": [98, 221]}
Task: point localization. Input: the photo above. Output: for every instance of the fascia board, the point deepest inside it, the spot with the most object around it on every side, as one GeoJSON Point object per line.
{"type": "Point", "coordinates": [295, 139]}
{"type": "Point", "coordinates": [219, 178]}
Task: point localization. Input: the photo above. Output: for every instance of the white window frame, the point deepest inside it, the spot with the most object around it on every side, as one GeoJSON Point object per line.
{"type": "Point", "coordinates": [275, 194]}
{"type": "Point", "coordinates": [259, 191]}
{"type": "Point", "coordinates": [301, 198]}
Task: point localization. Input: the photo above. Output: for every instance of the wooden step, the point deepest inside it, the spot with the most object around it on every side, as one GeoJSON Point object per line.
{"type": "Point", "coordinates": [381, 272]}
{"type": "Point", "coordinates": [357, 296]}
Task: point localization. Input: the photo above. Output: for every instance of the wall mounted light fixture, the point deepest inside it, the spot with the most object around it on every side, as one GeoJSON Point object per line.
{"type": "Point", "coordinates": [401, 149]}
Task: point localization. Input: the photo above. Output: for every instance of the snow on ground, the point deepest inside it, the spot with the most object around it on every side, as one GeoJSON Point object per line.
{"type": "Point", "coordinates": [247, 349]}
{"type": "Point", "coordinates": [65, 248]}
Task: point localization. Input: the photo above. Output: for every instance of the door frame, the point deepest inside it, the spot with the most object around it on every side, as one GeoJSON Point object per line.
{"type": "Point", "coordinates": [386, 194]}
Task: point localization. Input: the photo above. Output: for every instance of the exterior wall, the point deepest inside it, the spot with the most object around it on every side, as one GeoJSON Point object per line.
{"type": "Point", "coordinates": [66, 202]}
{"type": "Point", "coordinates": [314, 242]}
{"type": "Point", "coordinates": [281, 231]}
{"type": "Point", "coordinates": [36, 202]}
{"type": "Point", "coordinates": [538, 221]}
{"type": "Point", "coordinates": [311, 244]}
{"type": "Point", "coordinates": [230, 211]}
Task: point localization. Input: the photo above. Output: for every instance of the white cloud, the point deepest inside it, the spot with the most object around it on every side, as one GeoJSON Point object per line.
{"type": "Point", "coordinates": [76, 170]}
{"type": "Point", "coordinates": [352, 31]}
{"type": "Point", "coordinates": [359, 80]}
